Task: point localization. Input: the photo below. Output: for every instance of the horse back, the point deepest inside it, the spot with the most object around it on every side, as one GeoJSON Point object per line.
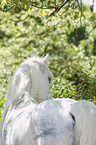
{"type": "Point", "coordinates": [52, 123]}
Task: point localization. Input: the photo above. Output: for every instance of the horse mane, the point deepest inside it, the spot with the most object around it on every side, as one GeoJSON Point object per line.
{"type": "Point", "coordinates": [23, 80]}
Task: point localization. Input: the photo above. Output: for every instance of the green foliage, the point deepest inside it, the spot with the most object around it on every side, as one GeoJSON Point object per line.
{"type": "Point", "coordinates": [2, 101]}
{"type": "Point", "coordinates": [17, 6]}
{"type": "Point", "coordinates": [77, 35]}
{"type": "Point", "coordinates": [70, 43]}
{"type": "Point", "coordinates": [84, 87]}
{"type": "Point", "coordinates": [62, 89]}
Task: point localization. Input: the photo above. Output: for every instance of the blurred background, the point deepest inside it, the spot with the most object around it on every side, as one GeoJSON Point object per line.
{"type": "Point", "coordinates": [64, 29]}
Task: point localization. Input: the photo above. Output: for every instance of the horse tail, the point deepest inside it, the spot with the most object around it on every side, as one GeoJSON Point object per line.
{"type": "Point", "coordinates": [84, 113]}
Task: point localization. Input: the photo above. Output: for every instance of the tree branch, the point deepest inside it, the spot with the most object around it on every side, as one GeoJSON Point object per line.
{"type": "Point", "coordinates": [58, 9]}
{"type": "Point", "coordinates": [5, 10]}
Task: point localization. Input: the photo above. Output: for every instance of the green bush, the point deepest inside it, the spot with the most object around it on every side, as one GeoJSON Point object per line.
{"type": "Point", "coordinates": [62, 89]}
{"type": "Point", "coordinates": [83, 88]}
{"type": "Point", "coordinates": [86, 86]}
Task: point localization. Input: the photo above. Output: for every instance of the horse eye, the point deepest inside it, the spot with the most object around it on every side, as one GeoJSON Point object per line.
{"type": "Point", "coordinates": [49, 80]}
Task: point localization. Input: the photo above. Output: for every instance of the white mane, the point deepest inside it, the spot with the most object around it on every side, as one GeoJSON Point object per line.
{"type": "Point", "coordinates": [27, 78]}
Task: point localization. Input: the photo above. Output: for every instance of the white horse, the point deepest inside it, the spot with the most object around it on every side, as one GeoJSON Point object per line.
{"type": "Point", "coordinates": [64, 122]}
{"type": "Point", "coordinates": [31, 79]}
{"type": "Point", "coordinates": [52, 122]}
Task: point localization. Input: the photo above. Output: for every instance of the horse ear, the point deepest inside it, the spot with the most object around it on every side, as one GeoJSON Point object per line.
{"type": "Point", "coordinates": [46, 59]}
{"type": "Point", "coordinates": [34, 54]}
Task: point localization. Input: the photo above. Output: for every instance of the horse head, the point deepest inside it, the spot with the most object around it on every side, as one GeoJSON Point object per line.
{"type": "Point", "coordinates": [32, 76]}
